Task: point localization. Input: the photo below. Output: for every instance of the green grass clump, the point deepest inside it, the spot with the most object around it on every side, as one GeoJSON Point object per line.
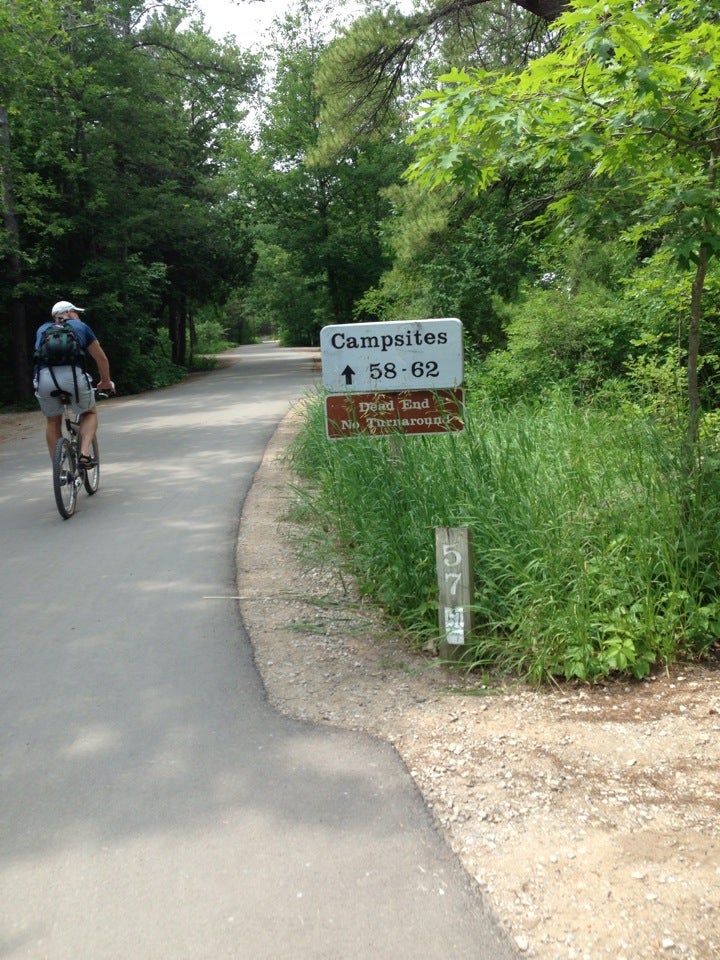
{"type": "Point", "coordinates": [593, 552]}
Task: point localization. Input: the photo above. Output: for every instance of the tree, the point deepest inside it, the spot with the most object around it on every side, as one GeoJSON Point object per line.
{"type": "Point", "coordinates": [452, 253]}
{"type": "Point", "coordinates": [629, 103]}
{"type": "Point", "coordinates": [318, 218]}
{"type": "Point", "coordinates": [33, 67]}
{"type": "Point", "coordinates": [111, 163]}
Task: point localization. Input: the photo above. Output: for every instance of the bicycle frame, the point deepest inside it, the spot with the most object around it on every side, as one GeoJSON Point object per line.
{"type": "Point", "coordinates": [68, 474]}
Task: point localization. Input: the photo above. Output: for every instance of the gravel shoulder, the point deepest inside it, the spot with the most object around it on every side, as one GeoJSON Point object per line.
{"type": "Point", "coordinates": [588, 816]}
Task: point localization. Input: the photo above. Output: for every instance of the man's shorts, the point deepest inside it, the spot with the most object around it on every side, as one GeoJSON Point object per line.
{"type": "Point", "coordinates": [52, 406]}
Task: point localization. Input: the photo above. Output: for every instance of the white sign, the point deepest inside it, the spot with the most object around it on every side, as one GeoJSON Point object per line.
{"type": "Point", "coordinates": [398, 355]}
{"type": "Point", "coordinates": [454, 626]}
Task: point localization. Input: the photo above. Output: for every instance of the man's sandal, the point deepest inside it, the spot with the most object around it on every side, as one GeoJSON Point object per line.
{"type": "Point", "coordinates": [86, 462]}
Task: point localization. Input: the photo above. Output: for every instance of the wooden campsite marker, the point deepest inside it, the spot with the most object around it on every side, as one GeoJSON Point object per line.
{"type": "Point", "coordinates": [453, 554]}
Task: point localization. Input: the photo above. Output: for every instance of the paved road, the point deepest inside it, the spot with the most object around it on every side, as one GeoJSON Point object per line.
{"type": "Point", "coordinates": [153, 806]}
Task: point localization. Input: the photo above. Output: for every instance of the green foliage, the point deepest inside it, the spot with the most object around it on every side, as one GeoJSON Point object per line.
{"type": "Point", "coordinates": [445, 255]}
{"type": "Point", "coordinates": [452, 257]}
{"type": "Point", "coordinates": [211, 337]}
{"type": "Point", "coordinates": [627, 106]}
{"type": "Point", "coordinates": [118, 128]}
{"type": "Point", "coordinates": [316, 229]}
{"type": "Point", "coordinates": [611, 330]}
{"type": "Point", "coordinates": [569, 324]}
{"type": "Point", "coordinates": [283, 301]}
{"type": "Point", "coordinates": [141, 357]}
{"type": "Point", "coordinates": [580, 339]}
{"type": "Point", "coordinates": [631, 96]}
{"type": "Point", "coordinates": [655, 384]}
{"type": "Point", "coordinates": [586, 561]}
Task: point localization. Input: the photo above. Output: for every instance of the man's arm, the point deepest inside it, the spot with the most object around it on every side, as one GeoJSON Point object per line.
{"type": "Point", "coordinates": [103, 365]}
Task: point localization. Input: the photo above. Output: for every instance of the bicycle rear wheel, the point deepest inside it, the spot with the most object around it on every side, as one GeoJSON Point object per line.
{"type": "Point", "coordinates": [91, 478]}
{"type": "Point", "coordinates": [64, 478]}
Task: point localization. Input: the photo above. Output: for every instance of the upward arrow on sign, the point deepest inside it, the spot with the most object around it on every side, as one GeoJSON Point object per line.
{"type": "Point", "coordinates": [348, 373]}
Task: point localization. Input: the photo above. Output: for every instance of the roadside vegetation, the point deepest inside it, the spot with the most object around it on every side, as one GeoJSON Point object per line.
{"type": "Point", "coordinates": [592, 553]}
{"type": "Point", "coordinates": [595, 540]}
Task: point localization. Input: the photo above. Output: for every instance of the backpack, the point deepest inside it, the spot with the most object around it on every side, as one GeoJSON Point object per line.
{"type": "Point", "coordinates": [60, 346]}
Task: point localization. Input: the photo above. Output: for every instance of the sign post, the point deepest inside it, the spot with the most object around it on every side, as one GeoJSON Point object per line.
{"type": "Point", "coordinates": [395, 379]}
{"type": "Point", "coordinates": [453, 555]}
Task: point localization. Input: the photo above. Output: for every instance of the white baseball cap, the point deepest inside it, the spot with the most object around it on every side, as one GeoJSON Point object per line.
{"type": "Point", "coordinates": [62, 306]}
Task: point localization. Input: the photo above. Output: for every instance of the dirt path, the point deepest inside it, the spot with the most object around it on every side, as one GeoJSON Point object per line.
{"type": "Point", "coordinates": [588, 816]}
{"type": "Point", "coordinates": [16, 425]}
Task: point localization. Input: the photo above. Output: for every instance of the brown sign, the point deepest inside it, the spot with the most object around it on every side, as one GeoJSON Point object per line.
{"type": "Point", "coordinates": [404, 412]}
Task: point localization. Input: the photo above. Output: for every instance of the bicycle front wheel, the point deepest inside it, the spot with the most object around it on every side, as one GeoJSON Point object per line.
{"type": "Point", "coordinates": [91, 478]}
{"type": "Point", "coordinates": [64, 478]}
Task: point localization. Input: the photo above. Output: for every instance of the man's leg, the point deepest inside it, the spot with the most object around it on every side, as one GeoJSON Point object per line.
{"type": "Point", "coordinates": [53, 432]}
{"type": "Point", "coordinates": [88, 429]}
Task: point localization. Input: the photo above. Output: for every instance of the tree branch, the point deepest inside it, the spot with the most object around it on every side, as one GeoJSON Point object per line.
{"type": "Point", "coordinates": [370, 67]}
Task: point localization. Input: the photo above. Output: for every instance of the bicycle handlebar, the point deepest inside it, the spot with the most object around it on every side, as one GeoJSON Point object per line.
{"type": "Point", "coordinates": [104, 394]}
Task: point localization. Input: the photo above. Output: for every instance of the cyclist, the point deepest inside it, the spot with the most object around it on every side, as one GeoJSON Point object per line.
{"type": "Point", "coordinates": [71, 379]}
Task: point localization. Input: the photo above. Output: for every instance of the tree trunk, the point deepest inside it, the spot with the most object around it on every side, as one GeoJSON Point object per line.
{"type": "Point", "coordinates": [173, 332]}
{"type": "Point", "coordinates": [695, 318]}
{"type": "Point", "coordinates": [177, 328]}
{"type": "Point", "coordinates": [18, 325]}
{"type": "Point", "coordinates": [193, 332]}
{"type": "Point", "coordinates": [694, 349]}
{"type": "Point", "coordinates": [182, 336]}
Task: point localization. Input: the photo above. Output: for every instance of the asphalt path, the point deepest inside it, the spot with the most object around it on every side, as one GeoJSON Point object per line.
{"type": "Point", "coordinates": [153, 805]}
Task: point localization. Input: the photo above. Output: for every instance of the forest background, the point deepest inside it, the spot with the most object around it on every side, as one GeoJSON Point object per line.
{"type": "Point", "coordinates": [544, 171]}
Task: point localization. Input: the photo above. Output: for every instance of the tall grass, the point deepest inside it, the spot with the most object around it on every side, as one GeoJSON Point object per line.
{"type": "Point", "coordinates": [592, 556]}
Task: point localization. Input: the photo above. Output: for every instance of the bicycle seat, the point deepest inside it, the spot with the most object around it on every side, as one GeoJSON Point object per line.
{"type": "Point", "coordinates": [61, 395]}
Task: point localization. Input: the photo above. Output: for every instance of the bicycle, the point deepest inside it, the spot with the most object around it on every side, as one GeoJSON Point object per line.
{"type": "Point", "coordinates": [68, 474]}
